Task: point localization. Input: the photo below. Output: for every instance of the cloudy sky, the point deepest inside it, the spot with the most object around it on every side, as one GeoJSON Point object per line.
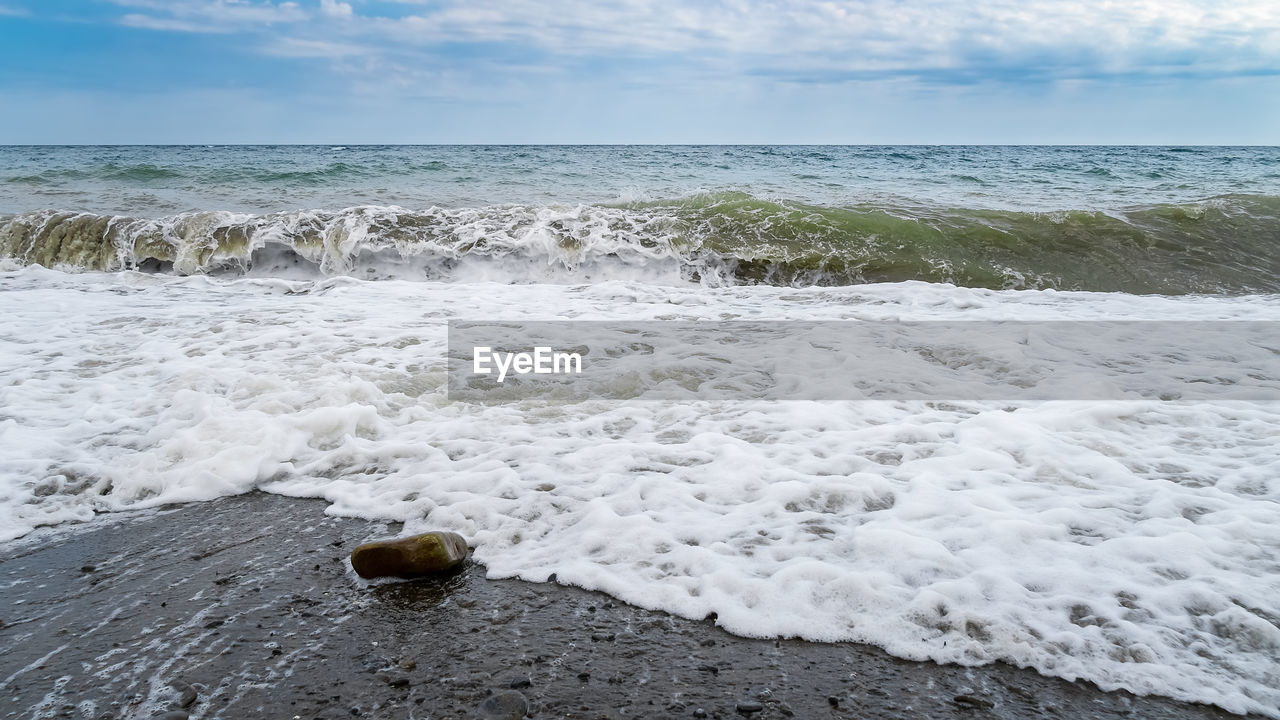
{"type": "Point", "coordinates": [567, 71]}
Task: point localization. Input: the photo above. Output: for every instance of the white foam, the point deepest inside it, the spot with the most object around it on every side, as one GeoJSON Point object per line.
{"type": "Point", "coordinates": [1130, 543]}
{"type": "Point", "coordinates": [510, 243]}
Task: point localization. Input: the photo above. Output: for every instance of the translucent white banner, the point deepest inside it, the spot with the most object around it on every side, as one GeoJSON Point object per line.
{"type": "Point", "coordinates": [566, 361]}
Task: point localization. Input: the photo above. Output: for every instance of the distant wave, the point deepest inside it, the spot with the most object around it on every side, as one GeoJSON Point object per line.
{"type": "Point", "coordinates": [136, 172]}
{"type": "Point", "coordinates": [146, 174]}
{"type": "Point", "coordinates": [1226, 244]}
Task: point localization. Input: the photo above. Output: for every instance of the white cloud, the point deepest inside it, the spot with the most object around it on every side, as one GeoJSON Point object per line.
{"type": "Point", "coordinates": [794, 40]}
{"type": "Point", "coordinates": [333, 8]}
{"type": "Point", "coordinates": [209, 15]}
{"type": "Point", "coordinates": [299, 48]}
{"type": "Point", "coordinates": [876, 35]}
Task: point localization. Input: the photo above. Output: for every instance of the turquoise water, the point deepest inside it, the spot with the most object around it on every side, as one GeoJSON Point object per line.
{"type": "Point", "coordinates": [158, 180]}
{"type": "Point", "coordinates": [1169, 220]}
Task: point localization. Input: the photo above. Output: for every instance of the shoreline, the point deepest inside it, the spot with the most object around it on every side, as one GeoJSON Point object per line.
{"type": "Point", "coordinates": [249, 603]}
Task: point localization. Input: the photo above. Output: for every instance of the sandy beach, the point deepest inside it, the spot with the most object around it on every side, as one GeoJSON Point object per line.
{"type": "Point", "coordinates": [247, 607]}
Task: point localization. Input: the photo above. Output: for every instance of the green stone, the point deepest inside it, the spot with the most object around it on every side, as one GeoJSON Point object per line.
{"type": "Point", "coordinates": [426, 554]}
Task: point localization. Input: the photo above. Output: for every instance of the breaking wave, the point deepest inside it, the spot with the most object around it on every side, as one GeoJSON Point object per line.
{"type": "Point", "coordinates": [1225, 244]}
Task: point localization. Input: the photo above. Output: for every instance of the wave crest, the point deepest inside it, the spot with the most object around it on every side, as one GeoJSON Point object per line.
{"type": "Point", "coordinates": [1220, 245]}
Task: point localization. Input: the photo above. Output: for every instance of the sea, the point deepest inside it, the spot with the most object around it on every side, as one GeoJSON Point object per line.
{"type": "Point", "coordinates": [185, 323]}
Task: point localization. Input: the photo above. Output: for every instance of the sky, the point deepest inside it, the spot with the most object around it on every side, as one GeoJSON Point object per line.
{"type": "Point", "coordinates": [632, 71]}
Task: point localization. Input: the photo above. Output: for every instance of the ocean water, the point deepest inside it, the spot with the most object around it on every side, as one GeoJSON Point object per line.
{"type": "Point", "coordinates": [1136, 220]}
{"type": "Point", "coordinates": [181, 324]}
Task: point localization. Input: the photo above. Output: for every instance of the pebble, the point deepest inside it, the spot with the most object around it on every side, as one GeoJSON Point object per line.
{"type": "Point", "coordinates": [186, 694]}
{"type": "Point", "coordinates": [973, 701]}
{"type": "Point", "coordinates": [433, 552]}
{"type": "Point", "coordinates": [520, 682]}
{"type": "Point", "coordinates": [394, 679]}
{"type": "Point", "coordinates": [509, 705]}
{"type": "Point", "coordinates": [749, 706]}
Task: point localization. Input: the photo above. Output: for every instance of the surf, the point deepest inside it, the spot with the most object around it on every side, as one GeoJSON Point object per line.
{"type": "Point", "coordinates": [1223, 245]}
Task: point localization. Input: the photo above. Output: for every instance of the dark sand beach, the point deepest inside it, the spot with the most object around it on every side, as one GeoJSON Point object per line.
{"type": "Point", "coordinates": [246, 607]}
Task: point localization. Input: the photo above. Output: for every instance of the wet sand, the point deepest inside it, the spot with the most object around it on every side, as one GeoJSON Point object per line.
{"type": "Point", "coordinates": [246, 607]}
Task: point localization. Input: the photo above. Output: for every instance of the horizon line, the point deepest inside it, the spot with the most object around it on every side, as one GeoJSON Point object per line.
{"type": "Point", "coordinates": [630, 144]}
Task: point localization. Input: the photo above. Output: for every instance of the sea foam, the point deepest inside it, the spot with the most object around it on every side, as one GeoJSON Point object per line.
{"type": "Point", "coordinates": [1129, 543]}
